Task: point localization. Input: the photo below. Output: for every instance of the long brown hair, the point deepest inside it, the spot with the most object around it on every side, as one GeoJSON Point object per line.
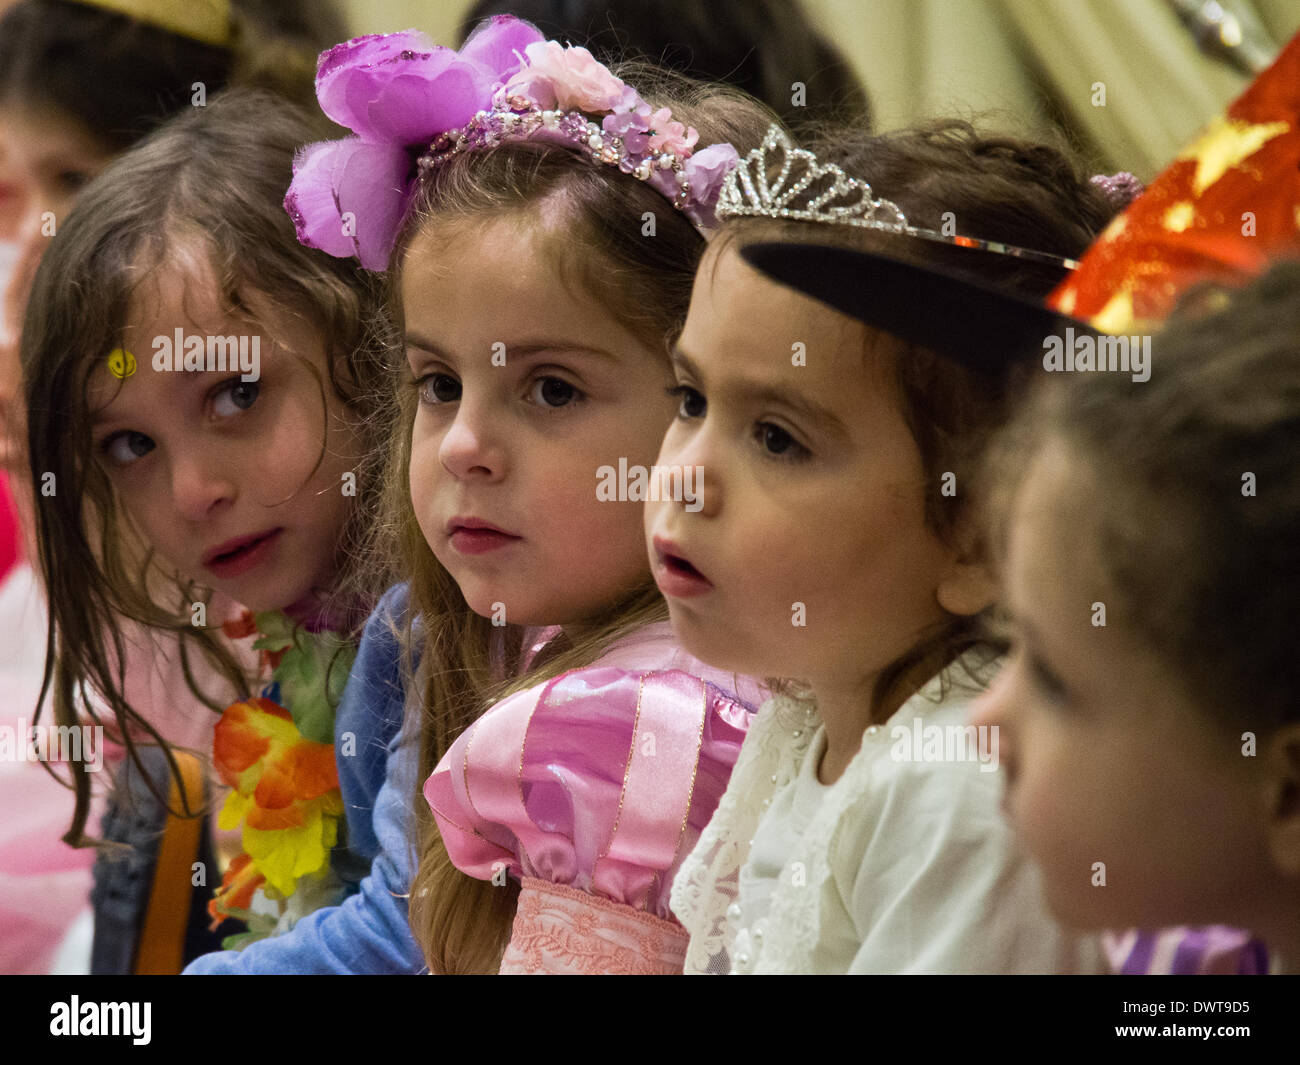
{"type": "Point", "coordinates": [994, 187]}
{"type": "Point", "coordinates": [218, 175]}
{"type": "Point", "coordinates": [463, 924]}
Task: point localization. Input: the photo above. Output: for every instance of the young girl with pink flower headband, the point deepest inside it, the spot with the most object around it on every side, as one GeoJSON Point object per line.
{"type": "Point", "coordinates": [399, 90]}
{"type": "Point", "coordinates": [542, 221]}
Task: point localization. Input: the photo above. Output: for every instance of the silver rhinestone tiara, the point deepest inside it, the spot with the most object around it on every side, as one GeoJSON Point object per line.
{"type": "Point", "coordinates": [808, 191]}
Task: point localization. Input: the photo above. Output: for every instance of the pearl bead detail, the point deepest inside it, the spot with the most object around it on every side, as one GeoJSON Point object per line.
{"type": "Point", "coordinates": [515, 116]}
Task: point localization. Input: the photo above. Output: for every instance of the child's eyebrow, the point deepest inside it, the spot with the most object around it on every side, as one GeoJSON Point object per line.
{"type": "Point", "coordinates": [680, 358]}
{"type": "Point", "coordinates": [521, 350]}
{"type": "Point", "coordinates": [760, 395]}
{"type": "Point", "coordinates": [414, 340]}
{"type": "Point", "coordinates": [182, 384]}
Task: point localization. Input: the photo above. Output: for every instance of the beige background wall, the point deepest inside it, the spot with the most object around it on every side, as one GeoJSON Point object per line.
{"type": "Point", "coordinates": [1025, 59]}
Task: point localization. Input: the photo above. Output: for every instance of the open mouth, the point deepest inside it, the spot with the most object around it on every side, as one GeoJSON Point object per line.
{"type": "Point", "coordinates": [680, 566]}
{"type": "Point", "coordinates": [235, 557]}
{"type": "Point", "coordinates": [676, 576]}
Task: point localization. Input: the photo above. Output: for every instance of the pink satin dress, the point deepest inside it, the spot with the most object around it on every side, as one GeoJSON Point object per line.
{"type": "Point", "coordinates": [590, 789]}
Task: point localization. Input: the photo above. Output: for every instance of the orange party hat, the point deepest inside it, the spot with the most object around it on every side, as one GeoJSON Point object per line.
{"type": "Point", "coordinates": [1223, 211]}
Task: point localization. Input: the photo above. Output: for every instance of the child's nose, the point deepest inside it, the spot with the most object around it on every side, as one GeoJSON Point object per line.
{"type": "Point", "coordinates": [200, 484]}
{"type": "Point", "coordinates": [696, 479]}
{"type": "Point", "coordinates": [469, 448]}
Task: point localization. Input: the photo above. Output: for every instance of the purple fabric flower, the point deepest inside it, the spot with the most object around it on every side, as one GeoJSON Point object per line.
{"type": "Point", "coordinates": [402, 87]}
{"type": "Point", "coordinates": [392, 90]}
{"type": "Point", "coordinates": [401, 90]}
{"type": "Point", "coordinates": [500, 43]}
{"type": "Point", "coordinates": [633, 126]}
{"type": "Point", "coordinates": [371, 48]}
{"type": "Point", "coordinates": [706, 170]}
{"type": "Point", "coordinates": [348, 197]}
{"type": "Point", "coordinates": [1121, 189]}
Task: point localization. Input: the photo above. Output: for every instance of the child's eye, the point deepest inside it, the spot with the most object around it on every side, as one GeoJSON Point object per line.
{"type": "Point", "coordinates": [554, 392]}
{"type": "Point", "coordinates": [693, 404]}
{"type": "Point", "coordinates": [776, 441]}
{"type": "Point", "coordinates": [234, 396]}
{"type": "Point", "coordinates": [72, 180]}
{"type": "Point", "coordinates": [436, 388]}
{"type": "Point", "coordinates": [124, 448]}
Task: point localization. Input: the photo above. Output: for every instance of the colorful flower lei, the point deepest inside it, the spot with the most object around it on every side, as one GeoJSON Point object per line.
{"type": "Point", "coordinates": [406, 98]}
{"type": "Point", "coordinates": [276, 753]}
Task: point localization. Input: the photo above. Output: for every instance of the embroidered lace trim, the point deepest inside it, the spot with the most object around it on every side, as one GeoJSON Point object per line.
{"type": "Point", "coordinates": [708, 881]}
{"type": "Point", "coordinates": [559, 929]}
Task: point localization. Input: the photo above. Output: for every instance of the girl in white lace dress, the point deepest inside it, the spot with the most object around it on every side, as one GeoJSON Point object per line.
{"type": "Point", "coordinates": [860, 831]}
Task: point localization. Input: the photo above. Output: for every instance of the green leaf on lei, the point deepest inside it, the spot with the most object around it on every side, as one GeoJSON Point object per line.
{"type": "Point", "coordinates": [312, 672]}
{"type": "Point", "coordinates": [260, 926]}
{"type": "Point", "coordinates": [240, 940]}
{"type": "Point", "coordinates": [275, 631]}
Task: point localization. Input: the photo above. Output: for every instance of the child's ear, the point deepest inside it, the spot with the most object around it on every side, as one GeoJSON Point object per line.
{"type": "Point", "coordinates": [1281, 758]}
{"type": "Point", "coordinates": [970, 584]}
{"type": "Point", "coordinates": [967, 588]}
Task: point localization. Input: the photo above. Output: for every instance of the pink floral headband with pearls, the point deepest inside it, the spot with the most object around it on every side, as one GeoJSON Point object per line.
{"type": "Point", "coordinates": [412, 105]}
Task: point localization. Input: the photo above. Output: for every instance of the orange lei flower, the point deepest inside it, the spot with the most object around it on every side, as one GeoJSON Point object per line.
{"type": "Point", "coordinates": [285, 793]}
{"type": "Point", "coordinates": [284, 787]}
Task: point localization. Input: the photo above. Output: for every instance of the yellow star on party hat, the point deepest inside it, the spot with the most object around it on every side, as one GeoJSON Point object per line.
{"type": "Point", "coordinates": [1222, 212]}
{"type": "Point", "coordinates": [207, 21]}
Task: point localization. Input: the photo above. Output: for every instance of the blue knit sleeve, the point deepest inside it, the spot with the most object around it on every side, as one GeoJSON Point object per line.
{"type": "Point", "coordinates": [369, 931]}
{"type": "Point", "coordinates": [367, 720]}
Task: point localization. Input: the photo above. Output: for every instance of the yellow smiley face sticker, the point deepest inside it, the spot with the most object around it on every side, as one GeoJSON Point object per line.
{"type": "Point", "coordinates": [121, 363]}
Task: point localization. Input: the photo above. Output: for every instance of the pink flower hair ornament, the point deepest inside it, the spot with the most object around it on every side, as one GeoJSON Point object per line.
{"type": "Point", "coordinates": [412, 105]}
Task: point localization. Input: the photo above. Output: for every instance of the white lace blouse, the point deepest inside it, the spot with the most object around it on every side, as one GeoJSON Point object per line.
{"type": "Point", "coordinates": [905, 864]}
